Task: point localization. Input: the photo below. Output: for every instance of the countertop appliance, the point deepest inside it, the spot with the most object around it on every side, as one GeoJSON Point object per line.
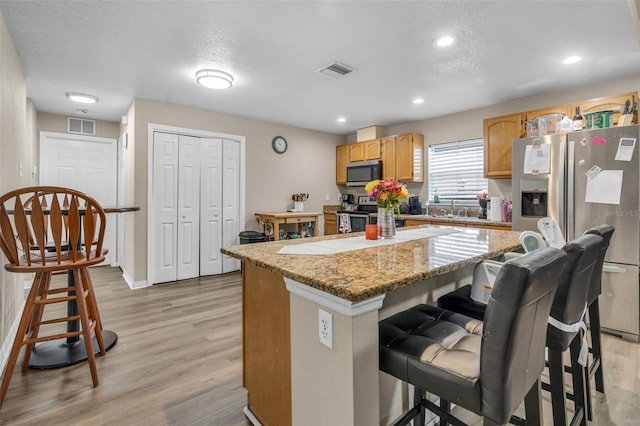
{"type": "Point", "coordinates": [583, 179]}
{"type": "Point", "coordinates": [347, 201]}
{"type": "Point", "coordinates": [415, 205]}
{"type": "Point", "coordinates": [362, 172]}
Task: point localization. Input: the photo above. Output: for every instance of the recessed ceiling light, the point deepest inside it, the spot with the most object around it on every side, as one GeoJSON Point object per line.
{"type": "Point", "coordinates": [341, 120]}
{"type": "Point", "coordinates": [571, 60]}
{"type": "Point", "coordinates": [83, 98]}
{"type": "Point", "coordinates": [445, 40]}
{"type": "Point", "coordinates": [418, 101]}
{"type": "Point", "coordinates": [214, 79]}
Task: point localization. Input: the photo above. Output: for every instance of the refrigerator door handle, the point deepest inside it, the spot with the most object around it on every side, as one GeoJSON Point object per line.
{"type": "Point", "coordinates": [607, 267]}
{"type": "Point", "coordinates": [570, 231]}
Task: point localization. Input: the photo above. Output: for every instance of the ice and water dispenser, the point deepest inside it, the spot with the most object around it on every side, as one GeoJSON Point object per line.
{"type": "Point", "coordinates": [534, 197]}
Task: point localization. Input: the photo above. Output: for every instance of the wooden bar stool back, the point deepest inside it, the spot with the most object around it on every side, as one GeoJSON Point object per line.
{"type": "Point", "coordinates": [46, 230]}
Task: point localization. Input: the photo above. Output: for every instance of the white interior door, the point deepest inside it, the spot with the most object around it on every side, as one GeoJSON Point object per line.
{"type": "Point", "coordinates": [211, 207]}
{"type": "Point", "coordinates": [87, 164]}
{"type": "Point", "coordinates": [230, 201]}
{"type": "Point", "coordinates": [190, 149]}
{"type": "Point", "coordinates": [164, 209]}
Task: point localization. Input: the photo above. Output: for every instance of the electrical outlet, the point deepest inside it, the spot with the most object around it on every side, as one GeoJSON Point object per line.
{"type": "Point", "coordinates": [327, 197]}
{"type": "Point", "coordinates": [325, 328]}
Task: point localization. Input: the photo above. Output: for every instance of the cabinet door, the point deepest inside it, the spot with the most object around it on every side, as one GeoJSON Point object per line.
{"type": "Point", "coordinates": [388, 157]}
{"type": "Point", "coordinates": [605, 103]}
{"type": "Point", "coordinates": [499, 132]}
{"type": "Point", "coordinates": [342, 158]}
{"type": "Point", "coordinates": [356, 152]}
{"type": "Point", "coordinates": [330, 224]}
{"type": "Point", "coordinates": [409, 157]}
{"type": "Point", "coordinates": [372, 149]}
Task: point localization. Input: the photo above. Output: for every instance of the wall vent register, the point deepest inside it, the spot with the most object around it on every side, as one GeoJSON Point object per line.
{"type": "Point", "coordinates": [81, 126]}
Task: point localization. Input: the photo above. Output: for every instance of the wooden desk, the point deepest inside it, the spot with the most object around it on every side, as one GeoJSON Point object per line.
{"type": "Point", "coordinates": [278, 218]}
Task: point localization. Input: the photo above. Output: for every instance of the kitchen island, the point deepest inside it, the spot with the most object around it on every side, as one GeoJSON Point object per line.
{"type": "Point", "coordinates": [292, 378]}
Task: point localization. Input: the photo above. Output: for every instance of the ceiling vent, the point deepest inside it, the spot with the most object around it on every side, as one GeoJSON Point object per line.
{"type": "Point", "coordinates": [81, 126]}
{"type": "Point", "coordinates": [335, 70]}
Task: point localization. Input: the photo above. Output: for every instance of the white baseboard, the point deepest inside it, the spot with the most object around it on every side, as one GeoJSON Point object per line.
{"type": "Point", "coordinates": [5, 350]}
{"type": "Point", "coordinates": [133, 285]}
{"type": "Point", "coordinates": [251, 417]}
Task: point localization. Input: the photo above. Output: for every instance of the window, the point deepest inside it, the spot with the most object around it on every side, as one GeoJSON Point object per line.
{"type": "Point", "coordinates": [456, 170]}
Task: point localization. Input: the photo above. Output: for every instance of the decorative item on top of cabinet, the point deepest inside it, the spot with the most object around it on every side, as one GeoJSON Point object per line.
{"type": "Point", "coordinates": [342, 159]}
{"type": "Point", "coordinates": [409, 157]}
{"type": "Point", "coordinates": [388, 145]}
{"type": "Point", "coordinates": [615, 103]}
{"type": "Point", "coordinates": [499, 132]}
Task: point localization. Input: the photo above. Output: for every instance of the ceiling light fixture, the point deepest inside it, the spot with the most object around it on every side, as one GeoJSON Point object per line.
{"type": "Point", "coordinates": [571, 60]}
{"type": "Point", "coordinates": [83, 98]}
{"type": "Point", "coordinates": [341, 120]}
{"type": "Point", "coordinates": [418, 101]}
{"type": "Point", "coordinates": [214, 79]}
{"type": "Point", "coordinates": [445, 40]}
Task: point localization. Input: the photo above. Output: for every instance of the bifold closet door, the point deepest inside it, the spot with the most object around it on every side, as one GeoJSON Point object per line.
{"type": "Point", "coordinates": [164, 209]}
{"type": "Point", "coordinates": [196, 206]}
{"type": "Point", "coordinates": [219, 204]}
{"type": "Point", "coordinates": [176, 207]}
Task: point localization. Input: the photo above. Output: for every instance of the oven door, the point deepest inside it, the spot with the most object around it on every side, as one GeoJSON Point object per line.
{"type": "Point", "coordinates": [358, 222]}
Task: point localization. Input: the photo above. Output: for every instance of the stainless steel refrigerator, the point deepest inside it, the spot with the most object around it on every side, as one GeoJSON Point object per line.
{"type": "Point", "coordinates": [583, 179]}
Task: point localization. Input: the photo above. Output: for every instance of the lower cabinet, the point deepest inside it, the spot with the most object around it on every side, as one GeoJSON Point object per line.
{"type": "Point", "coordinates": [330, 224]}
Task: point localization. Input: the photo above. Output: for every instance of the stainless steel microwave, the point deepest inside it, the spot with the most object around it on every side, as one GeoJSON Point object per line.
{"type": "Point", "coordinates": [363, 172]}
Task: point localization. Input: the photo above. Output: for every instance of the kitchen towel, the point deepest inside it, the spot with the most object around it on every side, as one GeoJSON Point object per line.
{"type": "Point", "coordinates": [495, 213]}
{"type": "Point", "coordinates": [358, 243]}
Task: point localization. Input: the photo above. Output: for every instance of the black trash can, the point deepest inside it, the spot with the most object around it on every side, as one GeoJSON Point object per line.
{"type": "Point", "coordinates": [248, 237]}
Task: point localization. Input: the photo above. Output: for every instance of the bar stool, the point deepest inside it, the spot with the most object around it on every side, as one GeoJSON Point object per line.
{"type": "Point", "coordinates": [567, 329]}
{"type": "Point", "coordinates": [595, 368]}
{"type": "Point", "coordinates": [42, 240]}
{"type": "Point", "coordinates": [488, 368]}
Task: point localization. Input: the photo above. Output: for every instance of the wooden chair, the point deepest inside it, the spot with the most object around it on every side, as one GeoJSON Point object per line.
{"type": "Point", "coordinates": [38, 228]}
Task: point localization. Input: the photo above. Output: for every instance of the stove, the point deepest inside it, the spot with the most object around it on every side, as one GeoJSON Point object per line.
{"type": "Point", "coordinates": [358, 218]}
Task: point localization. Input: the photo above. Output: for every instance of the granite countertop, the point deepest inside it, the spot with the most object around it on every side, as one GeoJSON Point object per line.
{"type": "Point", "coordinates": [361, 274]}
{"type": "Point", "coordinates": [456, 219]}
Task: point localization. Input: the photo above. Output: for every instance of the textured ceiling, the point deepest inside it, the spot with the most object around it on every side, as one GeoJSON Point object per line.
{"type": "Point", "coordinates": [120, 50]}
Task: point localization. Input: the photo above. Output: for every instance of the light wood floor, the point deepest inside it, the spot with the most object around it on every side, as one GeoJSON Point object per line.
{"type": "Point", "coordinates": [178, 362]}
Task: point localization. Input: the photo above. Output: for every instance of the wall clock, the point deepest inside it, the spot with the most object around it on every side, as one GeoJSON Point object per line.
{"type": "Point", "coordinates": [279, 144]}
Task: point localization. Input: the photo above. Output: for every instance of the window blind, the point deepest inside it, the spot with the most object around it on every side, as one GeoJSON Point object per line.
{"type": "Point", "coordinates": [456, 170]}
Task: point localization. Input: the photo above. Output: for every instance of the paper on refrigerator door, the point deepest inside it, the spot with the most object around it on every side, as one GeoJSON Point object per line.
{"type": "Point", "coordinates": [605, 187]}
{"type": "Point", "coordinates": [537, 159]}
{"type": "Point", "coordinates": [625, 149]}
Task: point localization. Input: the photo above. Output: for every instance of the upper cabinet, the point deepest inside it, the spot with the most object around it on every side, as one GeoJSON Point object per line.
{"type": "Point", "coordinates": [409, 157]}
{"type": "Point", "coordinates": [362, 151]}
{"type": "Point", "coordinates": [372, 149]}
{"type": "Point", "coordinates": [356, 152]}
{"type": "Point", "coordinates": [402, 157]}
{"type": "Point", "coordinates": [342, 159]}
{"type": "Point", "coordinates": [499, 132]}
{"type": "Point", "coordinates": [388, 146]}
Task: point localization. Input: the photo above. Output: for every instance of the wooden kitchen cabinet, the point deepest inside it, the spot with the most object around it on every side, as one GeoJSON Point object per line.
{"type": "Point", "coordinates": [342, 159]}
{"type": "Point", "coordinates": [330, 224]}
{"type": "Point", "coordinates": [356, 152]}
{"type": "Point", "coordinates": [388, 147]}
{"type": "Point", "coordinates": [371, 149]}
{"type": "Point", "coordinates": [409, 157]}
{"type": "Point", "coordinates": [607, 102]}
{"type": "Point", "coordinates": [499, 132]}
